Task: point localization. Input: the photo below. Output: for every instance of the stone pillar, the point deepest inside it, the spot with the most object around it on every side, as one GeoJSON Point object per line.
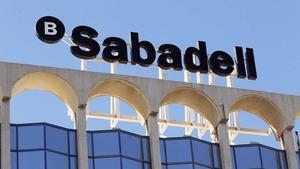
{"type": "Point", "coordinates": [153, 132]}
{"type": "Point", "coordinates": [289, 146]}
{"type": "Point", "coordinates": [5, 132]}
{"type": "Point", "coordinates": [223, 139]}
{"type": "Point", "coordinates": [82, 148]}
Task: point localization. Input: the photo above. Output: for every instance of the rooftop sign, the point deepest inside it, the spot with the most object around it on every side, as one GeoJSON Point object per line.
{"type": "Point", "coordinates": [195, 59]}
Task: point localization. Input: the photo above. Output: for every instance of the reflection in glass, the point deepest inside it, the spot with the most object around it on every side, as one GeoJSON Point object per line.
{"type": "Point", "coordinates": [106, 144]}
{"type": "Point", "coordinates": [31, 160]}
{"type": "Point", "coordinates": [31, 137]}
{"type": "Point", "coordinates": [201, 152]}
{"type": "Point", "coordinates": [180, 166]}
{"type": "Point", "coordinates": [131, 164]}
{"type": "Point", "coordinates": [111, 163]}
{"type": "Point", "coordinates": [131, 146]}
{"type": "Point", "coordinates": [57, 161]}
{"type": "Point", "coordinates": [56, 139]}
{"type": "Point", "coordinates": [178, 150]}
{"type": "Point", "coordinates": [247, 157]}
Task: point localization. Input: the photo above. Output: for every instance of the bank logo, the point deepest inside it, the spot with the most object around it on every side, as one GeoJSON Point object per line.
{"type": "Point", "coordinates": [195, 59]}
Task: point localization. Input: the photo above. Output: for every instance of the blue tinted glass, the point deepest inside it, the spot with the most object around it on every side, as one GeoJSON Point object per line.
{"type": "Point", "coordinates": [131, 164]}
{"type": "Point", "coordinates": [283, 159]}
{"type": "Point", "coordinates": [73, 163]}
{"type": "Point", "coordinates": [216, 154]}
{"type": "Point", "coordinates": [269, 158]}
{"type": "Point", "coordinates": [72, 140]}
{"type": "Point", "coordinates": [200, 167]}
{"type": "Point", "coordinates": [162, 151]}
{"type": "Point", "coordinates": [107, 163]}
{"type": "Point", "coordinates": [147, 166]}
{"type": "Point", "coordinates": [90, 145]}
{"type": "Point", "coordinates": [57, 139]}
{"type": "Point", "coordinates": [180, 166]}
{"type": "Point", "coordinates": [13, 137]}
{"type": "Point", "coordinates": [164, 167]}
{"type": "Point", "coordinates": [13, 160]}
{"type": "Point", "coordinates": [232, 157]}
{"type": "Point", "coordinates": [31, 137]}
{"type": "Point", "coordinates": [146, 151]}
{"type": "Point", "coordinates": [31, 160]}
{"type": "Point", "coordinates": [91, 163]}
{"type": "Point", "coordinates": [247, 157]}
{"type": "Point", "coordinates": [106, 144]}
{"type": "Point", "coordinates": [179, 150]}
{"type": "Point", "coordinates": [57, 161]}
{"type": "Point", "coordinates": [201, 152]}
{"type": "Point", "coordinates": [131, 146]}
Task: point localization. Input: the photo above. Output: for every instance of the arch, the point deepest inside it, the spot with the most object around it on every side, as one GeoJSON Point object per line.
{"type": "Point", "coordinates": [196, 100]}
{"type": "Point", "coordinates": [49, 82]}
{"type": "Point", "coordinates": [263, 108]}
{"type": "Point", "coordinates": [124, 90]}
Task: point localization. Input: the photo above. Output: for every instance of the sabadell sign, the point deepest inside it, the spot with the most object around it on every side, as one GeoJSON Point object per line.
{"type": "Point", "coordinates": [50, 30]}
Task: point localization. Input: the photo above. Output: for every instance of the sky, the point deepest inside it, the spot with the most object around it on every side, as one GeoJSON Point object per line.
{"type": "Point", "coordinates": [270, 27]}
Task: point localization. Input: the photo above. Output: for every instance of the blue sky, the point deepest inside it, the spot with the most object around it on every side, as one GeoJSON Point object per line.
{"type": "Point", "coordinates": [270, 27]}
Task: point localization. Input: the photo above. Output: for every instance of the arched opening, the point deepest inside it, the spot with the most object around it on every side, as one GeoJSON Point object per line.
{"type": "Point", "coordinates": [190, 116]}
{"type": "Point", "coordinates": [263, 108]}
{"type": "Point", "coordinates": [113, 105]}
{"type": "Point", "coordinates": [255, 127]}
{"type": "Point", "coordinates": [38, 99]}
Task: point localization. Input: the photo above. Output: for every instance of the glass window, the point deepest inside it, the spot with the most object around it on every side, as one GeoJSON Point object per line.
{"type": "Point", "coordinates": [269, 158]}
{"type": "Point", "coordinates": [31, 160]}
{"type": "Point", "coordinates": [73, 163]}
{"type": "Point", "coordinates": [31, 137]}
{"type": "Point", "coordinates": [202, 153]}
{"type": "Point", "coordinates": [57, 161]}
{"type": "Point", "coordinates": [90, 144]}
{"type": "Point", "coordinates": [164, 167]}
{"type": "Point", "coordinates": [131, 164]}
{"type": "Point", "coordinates": [107, 163]}
{"type": "Point", "coordinates": [72, 140]}
{"type": "Point", "coordinates": [14, 160]}
{"type": "Point", "coordinates": [180, 166]}
{"type": "Point", "coordinates": [146, 150]}
{"type": "Point", "coordinates": [162, 151]}
{"type": "Point", "coordinates": [200, 167]}
{"type": "Point", "coordinates": [57, 139]}
{"type": "Point", "coordinates": [91, 163]}
{"type": "Point", "coordinates": [178, 150]}
{"type": "Point", "coordinates": [13, 137]}
{"type": "Point", "coordinates": [232, 157]}
{"type": "Point", "coordinates": [131, 146]}
{"type": "Point", "coordinates": [283, 162]}
{"type": "Point", "coordinates": [216, 155]}
{"type": "Point", "coordinates": [106, 144]}
{"type": "Point", "coordinates": [147, 166]}
{"type": "Point", "coordinates": [247, 157]}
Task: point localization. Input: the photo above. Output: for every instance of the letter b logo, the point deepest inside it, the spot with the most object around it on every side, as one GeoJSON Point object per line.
{"type": "Point", "coordinates": [50, 29]}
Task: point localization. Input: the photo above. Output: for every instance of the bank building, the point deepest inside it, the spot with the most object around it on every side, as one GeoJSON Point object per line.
{"type": "Point", "coordinates": [208, 111]}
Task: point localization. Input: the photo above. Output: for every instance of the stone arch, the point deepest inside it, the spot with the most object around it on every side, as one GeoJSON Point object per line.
{"type": "Point", "coordinates": [196, 100]}
{"type": "Point", "coordinates": [48, 82]}
{"type": "Point", "coordinates": [124, 90]}
{"type": "Point", "coordinates": [263, 108]}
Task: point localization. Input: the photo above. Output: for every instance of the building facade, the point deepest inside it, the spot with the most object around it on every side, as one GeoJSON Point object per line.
{"type": "Point", "coordinates": [45, 146]}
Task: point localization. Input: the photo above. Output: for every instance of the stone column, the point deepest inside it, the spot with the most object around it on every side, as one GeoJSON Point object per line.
{"type": "Point", "coordinates": [153, 132]}
{"type": "Point", "coordinates": [289, 146]}
{"type": "Point", "coordinates": [82, 148]}
{"type": "Point", "coordinates": [223, 139]}
{"type": "Point", "coordinates": [5, 132]}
